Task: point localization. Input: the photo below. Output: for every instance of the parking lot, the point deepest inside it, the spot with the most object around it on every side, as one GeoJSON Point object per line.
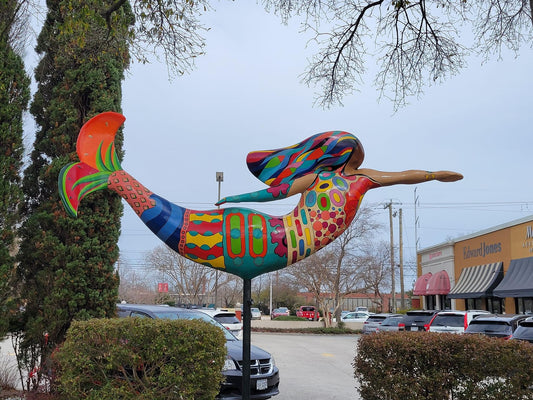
{"type": "Point", "coordinates": [312, 367]}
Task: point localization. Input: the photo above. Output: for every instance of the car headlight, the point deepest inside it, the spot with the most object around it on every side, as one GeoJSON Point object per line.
{"type": "Point", "coordinates": [229, 365]}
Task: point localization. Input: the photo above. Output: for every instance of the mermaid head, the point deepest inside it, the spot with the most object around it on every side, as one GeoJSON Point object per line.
{"type": "Point", "coordinates": [322, 152]}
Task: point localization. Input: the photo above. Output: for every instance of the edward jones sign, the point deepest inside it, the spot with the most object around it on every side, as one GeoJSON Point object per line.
{"type": "Point", "coordinates": [484, 249]}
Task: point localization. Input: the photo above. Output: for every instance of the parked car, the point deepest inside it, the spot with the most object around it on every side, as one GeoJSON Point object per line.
{"type": "Point", "coordinates": [355, 316]}
{"type": "Point", "coordinates": [308, 312]}
{"type": "Point", "coordinates": [360, 308]}
{"type": "Point", "coordinates": [417, 320]}
{"type": "Point", "coordinates": [524, 330]}
{"type": "Point", "coordinates": [278, 312]}
{"type": "Point", "coordinates": [453, 321]}
{"type": "Point", "coordinates": [227, 319]}
{"type": "Point", "coordinates": [373, 321]}
{"type": "Point", "coordinates": [496, 325]}
{"type": "Point", "coordinates": [390, 323]}
{"type": "Point", "coordinates": [264, 375]}
{"type": "Point", "coordinates": [256, 313]}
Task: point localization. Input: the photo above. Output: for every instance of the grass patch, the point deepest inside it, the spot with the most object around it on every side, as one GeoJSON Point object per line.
{"type": "Point", "coordinates": [289, 318]}
{"type": "Point", "coordinates": [315, 331]}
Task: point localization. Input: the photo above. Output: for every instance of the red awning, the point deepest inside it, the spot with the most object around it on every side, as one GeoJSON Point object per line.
{"type": "Point", "coordinates": [421, 283]}
{"type": "Point", "coordinates": [439, 283]}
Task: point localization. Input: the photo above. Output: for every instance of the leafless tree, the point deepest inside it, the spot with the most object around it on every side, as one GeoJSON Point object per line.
{"type": "Point", "coordinates": [334, 269]}
{"type": "Point", "coordinates": [374, 261]}
{"type": "Point", "coordinates": [415, 42]}
{"type": "Point", "coordinates": [14, 26]}
{"type": "Point", "coordinates": [167, 28]}
{"type": "Point", "coordinates": [191, 281]}
{"type": "Point", "coordinates": [136, 287]}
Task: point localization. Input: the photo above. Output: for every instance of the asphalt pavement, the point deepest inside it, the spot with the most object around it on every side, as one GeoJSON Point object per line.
{"type": "Point", "coordinates": [312, 367]}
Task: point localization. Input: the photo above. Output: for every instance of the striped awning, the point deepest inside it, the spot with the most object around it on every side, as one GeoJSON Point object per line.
{"type": "Point", "coordinates": [478, 281]}
{"type": "Point", "coordinates": [518, 281]}
{"type": "Point", "coordinates": [421, 285]}
{"type": "Point", "coordinates": [439, 283]}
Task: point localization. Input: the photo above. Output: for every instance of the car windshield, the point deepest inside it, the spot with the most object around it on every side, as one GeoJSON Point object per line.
{"type": "Point", "coordinates": [376, 318]}
{"type": "Point", "coordinates": [227, 319]}
{"type": "Point", "coordinates": [417, 318]}
{"type": "Point", "coordinates": [524, 332]}
{"type": "Point", "coordinates": [392, 321]}
{"type": "Point", "coordinates": [196, 315]}
{"type": "Point", "coordinates": [489, 327]}
{"type": "Point", "coordinates": [449, 320]}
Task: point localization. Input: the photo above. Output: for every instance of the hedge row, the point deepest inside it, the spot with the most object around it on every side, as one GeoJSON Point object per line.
{"type": "Point", "coordinates": [134, 358]}
{"type": "Point", "coordinates": [399, 366]}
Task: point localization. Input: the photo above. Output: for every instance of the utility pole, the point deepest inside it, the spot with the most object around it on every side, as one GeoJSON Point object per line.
{"type": "Point", "coordinates": [402, 288]}
{"type": "Point", "coordinates": [393, 283]}
{"type": "Point", "coordinates": [416, 223]}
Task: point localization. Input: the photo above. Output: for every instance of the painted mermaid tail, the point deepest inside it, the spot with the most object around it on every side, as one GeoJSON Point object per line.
{"type": "Point", "coordinates": [98, 160]}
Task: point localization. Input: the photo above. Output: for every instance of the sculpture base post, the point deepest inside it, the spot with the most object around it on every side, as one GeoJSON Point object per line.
{"type": "Point", "coordinates": [246, 340]}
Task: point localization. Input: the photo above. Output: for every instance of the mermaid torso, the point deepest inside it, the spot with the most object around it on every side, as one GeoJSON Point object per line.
{"type": "Point", "coordinates": [246, 242]}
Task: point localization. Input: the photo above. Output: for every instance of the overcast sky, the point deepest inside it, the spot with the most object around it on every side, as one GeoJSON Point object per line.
{"type": "Point", "coordinates": [246, 94]}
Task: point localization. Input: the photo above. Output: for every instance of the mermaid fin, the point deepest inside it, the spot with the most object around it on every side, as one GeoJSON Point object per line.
{"type": "Point", "coordinates": [96, 150]}
{"type": "Point", "coordinates": [96, 141]}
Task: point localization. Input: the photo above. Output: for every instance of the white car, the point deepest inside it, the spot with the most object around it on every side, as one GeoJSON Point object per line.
{"type": "Point", "coordinates": [228, 319]}
{"type": "Point", "coordinates": [455, 321]}
{"type": "Point", "coordinates": [256, 313]}
{"type": "Point", "coordinates": [355, 316]}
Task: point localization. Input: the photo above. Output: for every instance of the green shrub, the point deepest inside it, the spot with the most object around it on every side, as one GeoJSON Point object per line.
{"type": "Point", "coordinates": [142, 359]}
{"type": "Point", "coordinates": [399, 365]}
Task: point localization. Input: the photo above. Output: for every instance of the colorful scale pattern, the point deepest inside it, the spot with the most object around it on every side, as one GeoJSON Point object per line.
{"type": "Point", "coordinates": [202, 237]}
{"type": "Point", "coordinates": [129, 188]}
{"type": "Point", "coordinates": [245, 242]}
{"type": "Point", "coordinates": [324, 212]}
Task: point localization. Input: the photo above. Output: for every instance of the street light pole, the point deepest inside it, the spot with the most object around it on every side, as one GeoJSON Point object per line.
{"type": "Point", "coordinates": [220, 179]}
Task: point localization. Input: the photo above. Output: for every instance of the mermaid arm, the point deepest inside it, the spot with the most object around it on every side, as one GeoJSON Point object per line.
{"type": "Point", "coordinates": [278, 192]}
{"type": "Point", "coordinates": [409, 177]}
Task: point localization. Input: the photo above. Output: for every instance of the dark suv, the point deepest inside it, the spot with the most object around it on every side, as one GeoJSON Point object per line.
{"type": "Point", "coordinates": [264, 376]}
{"type": "Point", "coordinates": [417, 320]}
{"type": "Point", "coordinates": [496, 325]}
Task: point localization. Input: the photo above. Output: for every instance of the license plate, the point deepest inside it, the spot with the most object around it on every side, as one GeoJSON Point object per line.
{"type": "Point", "coordinates": [261, 384]}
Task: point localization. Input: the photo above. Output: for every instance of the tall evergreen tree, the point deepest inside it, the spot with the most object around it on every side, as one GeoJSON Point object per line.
{"type": "Point", "coordinates": [14, 98]}
{"type": "Point", "coordinates": [66, 265]}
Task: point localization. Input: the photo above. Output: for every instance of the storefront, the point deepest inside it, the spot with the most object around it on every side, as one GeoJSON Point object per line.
{"type": "Point", "coordinates": [433, 284]}
{"type": "Point", "coordinates": [489, 270]}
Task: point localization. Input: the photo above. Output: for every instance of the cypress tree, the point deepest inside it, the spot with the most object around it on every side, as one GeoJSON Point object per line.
{"type": "Point", "coordinates": [14, 98]}
{"type": "Point", "coordinates": [66, 265]}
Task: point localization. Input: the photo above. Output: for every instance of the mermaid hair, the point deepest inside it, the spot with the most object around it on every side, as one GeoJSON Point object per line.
{"type": "Point", "coordinates": [325, 151]}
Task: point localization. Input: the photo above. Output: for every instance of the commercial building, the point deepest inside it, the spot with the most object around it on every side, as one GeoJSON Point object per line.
{"type": "Point", "coordinates": [488, 270]}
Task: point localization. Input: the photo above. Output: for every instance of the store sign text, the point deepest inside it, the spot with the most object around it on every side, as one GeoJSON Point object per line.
{"type": "Point", "coordinates": [482, 251]}
{"type": "Point", "coordinates": [528, 242]}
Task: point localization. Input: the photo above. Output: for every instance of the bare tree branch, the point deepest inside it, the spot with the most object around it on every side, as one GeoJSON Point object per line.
{"type": "Point", "coordinates": [417, 42]}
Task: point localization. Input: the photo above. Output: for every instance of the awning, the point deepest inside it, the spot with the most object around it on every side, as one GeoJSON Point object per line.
{"type": "Point", "coordinates": [478, 281]}
{"type": "Point", "coordinates": [439, 283]}
{"type": "Point", "coordinates": [518, 281]}
{"type": "Point", "coordinates": [421, 285]}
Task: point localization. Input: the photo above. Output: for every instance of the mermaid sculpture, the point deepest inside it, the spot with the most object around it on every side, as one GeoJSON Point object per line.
{"type": "Point", "coordinates": [324, 169]}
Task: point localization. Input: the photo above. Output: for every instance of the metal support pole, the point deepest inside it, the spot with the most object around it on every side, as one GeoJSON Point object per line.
{"type": "Point", "coordinates": [220, 179]}
{"type": "Point", "coordinates": [402, 287]}
{"type": "Point", "coordinates": [246, 340]}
